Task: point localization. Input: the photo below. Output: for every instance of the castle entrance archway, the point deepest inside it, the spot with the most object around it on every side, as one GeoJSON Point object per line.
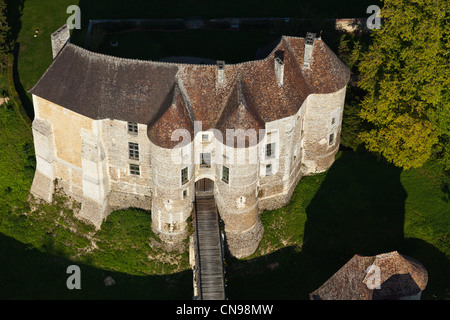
{"type": "Point", "coordinates": [204, 188]}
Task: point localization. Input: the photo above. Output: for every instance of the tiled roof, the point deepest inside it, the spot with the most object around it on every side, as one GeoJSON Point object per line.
{"type": "Point", "coordinates": [100, 86]}
{"type": "Point", "coordinates": [173, 115]}
{"type": "Point", "coordinates": [238, 115]}
{"type": "Point", "coordinates": [400, 276]}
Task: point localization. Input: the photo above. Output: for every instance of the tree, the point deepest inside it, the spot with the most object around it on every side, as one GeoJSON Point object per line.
{"type": "Point", "coordinates": [4, 29]}
{"type": "Point", "coordinates": [349, 50]}
{"type": "Point", "coordinates": [405, 76]}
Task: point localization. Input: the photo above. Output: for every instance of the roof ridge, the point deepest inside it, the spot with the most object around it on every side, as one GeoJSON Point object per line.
{"type": "Point", "coordinates": [297, 63]}
{"type": "Point", "coordinates": [252, 112]}
{"type": "Point", "coordinates": [185, 97]}
{"type": "Point", "coordinates": [178, 64]}
{"type": "Point", "coordinates": [229, 110]}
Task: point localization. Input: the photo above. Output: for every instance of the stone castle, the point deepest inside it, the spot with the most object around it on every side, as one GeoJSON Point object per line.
{"type": "Point", "coordinates": [117, 133]}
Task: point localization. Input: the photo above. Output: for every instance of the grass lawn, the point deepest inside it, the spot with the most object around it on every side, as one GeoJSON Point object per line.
{"type": "Point", "coordinates": [39, 241]}
{"type": "Point", "coordinates": [17, 160]}
{"type": "Point", "coordinates": [27, 273]}
{"type": "Point", "coordinates": [360, 205]}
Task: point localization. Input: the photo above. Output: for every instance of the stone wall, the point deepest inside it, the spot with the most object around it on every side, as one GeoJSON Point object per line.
{"type": "Point", "coordinates": [126, 189]}
{"type": "Point", "coordinates": [91, 161]}
{"type": "Point", "coordinates": [171, 207]}
{"type": "Point", "coordinates": [70, 152]}
{"type": "Point", "coordinates": [57, 140]}
{"type": "Point", "coordinates": [276, 188]}
{"type": "Point", "coordinates": [44, 177]}
{"type": "Point", "coordinates": [323, 118]}
{"type": "Point", "coordinates": [94, 206]}
{"type": "Point", "coordinates": [237, 199]}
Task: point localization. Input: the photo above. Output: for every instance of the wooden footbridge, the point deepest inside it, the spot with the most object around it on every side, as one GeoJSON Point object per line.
{"type": "Point", "coordinates": [209, 280]}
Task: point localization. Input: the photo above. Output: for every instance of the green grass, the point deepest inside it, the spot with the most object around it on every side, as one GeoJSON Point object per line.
{"type": "Point", "coordinates": [36, 53]}
{"type": "Point", "coordinates": [39, 240]}
{"type": "Point", "coordinates": [27, 273]}
{"type": "Point", "coordinates": [17, 161]}
{"type": "Point", "coordinates": [124, 244]}
{"type": "Point", "coordinates": [361, 205]}
{"type": "Point", "coordinates": [127, 243]}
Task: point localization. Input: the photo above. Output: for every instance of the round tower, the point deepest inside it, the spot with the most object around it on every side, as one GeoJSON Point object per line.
{"type": "Point", "coordinates": [322, 130]}
{"type": "Point", "coordinates": [236, 194]}
{"type": "Point", "coordinates": [172, 193]}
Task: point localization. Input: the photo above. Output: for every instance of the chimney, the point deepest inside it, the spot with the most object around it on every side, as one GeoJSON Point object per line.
{"type": "Point", "coordinates": [279, 70]}
{"type": "Point", "coordinates": [220, 72]}
{"type": "Point", "coordinates": [309, 42]}
{"type": "Point", "coordinates": [59, 39]}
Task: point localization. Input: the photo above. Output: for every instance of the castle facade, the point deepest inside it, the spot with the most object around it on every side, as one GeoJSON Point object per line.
{"type": "Point", "coordinates": [115, 133]}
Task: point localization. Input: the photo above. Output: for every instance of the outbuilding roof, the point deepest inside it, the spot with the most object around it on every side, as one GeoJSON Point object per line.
{"type": "Point", "coordinates": [399, 276]}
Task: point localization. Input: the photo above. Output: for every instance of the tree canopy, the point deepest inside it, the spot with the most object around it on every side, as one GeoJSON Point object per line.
{"type": "Point", "coordinates": [4, 28]}
{"type": "Point", "coordinates": [405, 74]}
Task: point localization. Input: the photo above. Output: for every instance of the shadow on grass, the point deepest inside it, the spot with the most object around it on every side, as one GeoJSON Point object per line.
{"type": "Point", "coordinates": [358, 209]}
{"type": "Point", "coordinates": [30, 274]}
{"type": "Point", "coordinates": [14, 19]}
{"type": "Point", "coordinates": [24, 98]}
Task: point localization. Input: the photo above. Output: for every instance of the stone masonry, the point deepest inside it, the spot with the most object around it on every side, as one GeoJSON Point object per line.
{"type": "Point", "coordinates": [117, 133]}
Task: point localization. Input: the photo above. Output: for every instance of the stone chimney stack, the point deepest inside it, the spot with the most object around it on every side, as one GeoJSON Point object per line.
{"type": "Point", "coordinates": [309, 42]}
{"type": "Point", "coordinates": [59, 39]}
{"type": "Point", "coordinates": [279, 70]}
{"type": "Point", "coordinates": [220, 72]}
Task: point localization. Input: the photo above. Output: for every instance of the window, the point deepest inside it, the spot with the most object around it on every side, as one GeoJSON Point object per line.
{"type": "Point", "coordinates": [132, 127]}
{"type": "Point", "coordinates": [225, 174]}
{"type": "Point", "coordinates": [270, 150]}
{"type": "Point", "coordinates": [205, 160]}
{"type": "Point", "coordinates": [133, 150]}
{"type": "Point", "coordinates": [333, 120]}
{"type": "Point", "coordinates": [134, 169]}
{"type": "Point", "coordinates": [303, 128]}
{"type": "Point", "coordinates": [331, 139]}
{"type": "Point", "coordinates": [184, 175]}
{"type": "Point", "coordinates": [268, 169]}
{"type": "Point", "coordinates": [185, 194]}
{"type": "Point", "coordinates": [205, 137]}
